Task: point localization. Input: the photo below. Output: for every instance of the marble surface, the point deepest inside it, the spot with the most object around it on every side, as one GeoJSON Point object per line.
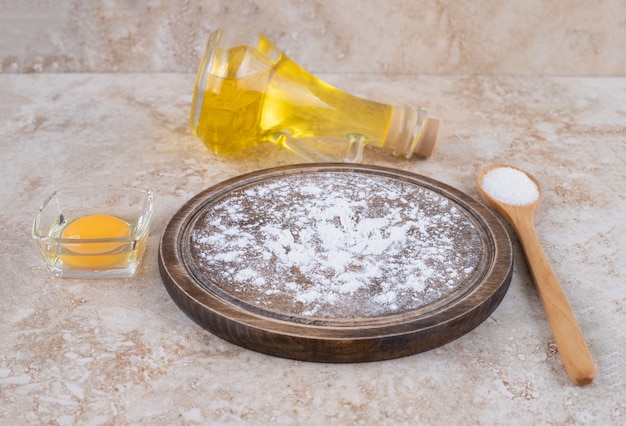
{"type": "Point", "coordinates": [573, 37]}
{"type": "Point", "coordinates": [120, 352]}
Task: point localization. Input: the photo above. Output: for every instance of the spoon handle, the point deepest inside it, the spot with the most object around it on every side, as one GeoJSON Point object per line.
{"type": "Point", "coordinates": [567, 335]}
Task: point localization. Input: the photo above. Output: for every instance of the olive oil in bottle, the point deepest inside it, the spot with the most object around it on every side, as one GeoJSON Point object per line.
{"type": "Point", "coordinates": [248, 92]}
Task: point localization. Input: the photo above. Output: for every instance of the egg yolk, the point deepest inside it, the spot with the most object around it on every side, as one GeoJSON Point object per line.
{"type": "Point", "coordinates": [95, 254]}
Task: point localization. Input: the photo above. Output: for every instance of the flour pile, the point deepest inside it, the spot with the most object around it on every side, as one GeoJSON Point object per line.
{"type": "Point", "coordinates": [336, 245]}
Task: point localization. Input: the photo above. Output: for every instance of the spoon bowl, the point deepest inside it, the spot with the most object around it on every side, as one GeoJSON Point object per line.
{"type": "Point", "coordinates": [510, 212]}
{"type": "Point", "coordinates": [565, 329]}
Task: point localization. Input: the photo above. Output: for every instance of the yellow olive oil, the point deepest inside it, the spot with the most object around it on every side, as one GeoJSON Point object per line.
{"type": "Point", "coordinates": [245, 97]}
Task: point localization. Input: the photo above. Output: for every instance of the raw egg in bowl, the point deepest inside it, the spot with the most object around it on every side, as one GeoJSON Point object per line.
{"type": "Point", "coordinates": [94, 232]}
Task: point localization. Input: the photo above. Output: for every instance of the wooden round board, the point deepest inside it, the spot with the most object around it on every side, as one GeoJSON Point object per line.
{"type": "Point", "coordinates": [336, 263]}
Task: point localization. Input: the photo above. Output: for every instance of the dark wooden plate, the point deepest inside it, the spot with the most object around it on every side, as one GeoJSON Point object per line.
{"type": "Point", "coordinates": [416, 263]}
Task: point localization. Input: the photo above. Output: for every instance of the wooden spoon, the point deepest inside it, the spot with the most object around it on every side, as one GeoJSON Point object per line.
{"type": "Point", "coordinates": [565, 329]}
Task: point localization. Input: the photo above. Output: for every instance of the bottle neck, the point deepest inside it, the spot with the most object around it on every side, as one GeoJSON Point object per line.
{"type": "Point", "coordinates": [411, 132]}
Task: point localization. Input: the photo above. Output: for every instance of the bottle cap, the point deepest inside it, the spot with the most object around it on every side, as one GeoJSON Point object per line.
{"type": "Point", "coordinates": [428, 138]}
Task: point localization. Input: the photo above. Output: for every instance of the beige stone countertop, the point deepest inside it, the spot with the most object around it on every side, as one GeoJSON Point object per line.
{"type": "Point", "coordinates": [120, 351]}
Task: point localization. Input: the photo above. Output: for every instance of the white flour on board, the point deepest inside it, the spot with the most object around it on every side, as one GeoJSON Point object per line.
{"type": "Point", "coordinates": [336, 245]}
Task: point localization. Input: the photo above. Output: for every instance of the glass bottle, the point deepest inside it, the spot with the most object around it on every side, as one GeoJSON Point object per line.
{"type": "Point", "coordinates": [248, 92]}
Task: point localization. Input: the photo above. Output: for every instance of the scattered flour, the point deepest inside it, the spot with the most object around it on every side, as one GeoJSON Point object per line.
{"type": "Point", "coordinates": [336, 245]}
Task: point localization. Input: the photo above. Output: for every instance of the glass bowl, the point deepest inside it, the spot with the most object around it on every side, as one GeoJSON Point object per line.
{"type": "Point", "coordinates": [94, 232]}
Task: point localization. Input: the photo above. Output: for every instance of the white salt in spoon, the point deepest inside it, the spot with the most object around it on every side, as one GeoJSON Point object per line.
{"type": "Point", "coordinates": [515, 195]}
